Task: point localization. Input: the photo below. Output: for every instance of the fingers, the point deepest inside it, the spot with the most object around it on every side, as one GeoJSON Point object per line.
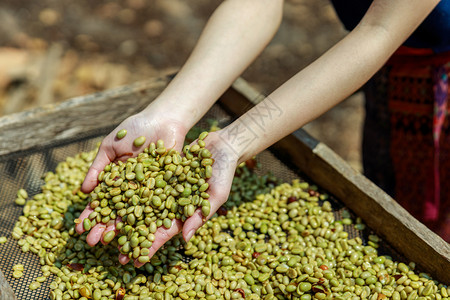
{"type": "Point", "coordinates": [197, 220]}
{"type": "Point", "coordinates": [95, 234]}
{"type": "Point", "coordinates": [162, 235]}
{"type": "Point", "coordinates": [104, 156]}
{"type": "Point", "coordinates": [219, 189]}
{"type": "Point", "coordinates": [110, 227]}
{"type": "Point", "coordinates": [193, 223]}
{"type": "Point", "coordinates": [79, 227]}
{"type": "Point", "coordinates": [123, 259]}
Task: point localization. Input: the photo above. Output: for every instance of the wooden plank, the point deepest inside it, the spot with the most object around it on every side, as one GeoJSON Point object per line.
{"type": "Point", "coordinates": [6, 292]}
{"type": "Point", "coordinates": [378, 210]}
{"type": "Point", "coordinates": [76, 117]}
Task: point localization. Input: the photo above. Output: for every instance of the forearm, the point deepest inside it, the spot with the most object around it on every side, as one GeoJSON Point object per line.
{"type": "Point", "coordinates": [324, 83]}
{"type": "Point", "coordinates": [234, 35]}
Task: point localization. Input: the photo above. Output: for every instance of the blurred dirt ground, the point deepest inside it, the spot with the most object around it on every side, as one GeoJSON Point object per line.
{"type": "Point", "coordinates": [51, 50]}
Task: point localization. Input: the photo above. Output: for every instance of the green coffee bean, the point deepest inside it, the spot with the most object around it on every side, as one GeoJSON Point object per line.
{"type": "Point", "coordinates": [403, 268]}
{"type": "Point", "coordinates": [138, 142]}
{"type": "Point", "coordinates": [144, 259]}
{"type": "Point", "coordinates": [146, 244]}
{"type": "Point", "coordinates": [109, 236]}
{"type": "Point", "coordinates": [87, 224]}
{"type": "Point", "coordinates": [203, 135]}
{"type": "Point", "coordinates": [18, 267]}
{"type": "Point", "coordinates": [122, 240]}
{"type": "Point", "coordinates": [249, 279]}
{"type": "Point", "coordinates": [134, 241]}
{"type": "Point", "coordinates": [22, 193]}
{"type": "Point", "coordinates": [305, 286]}
{"type": "Point", "coordinates": [208, 171]}
{"type": "Point", "coordinates": [167, 223]}
{"type": "Point", "coordinates": [206, 208]}
{"type": "Point", "coordinates": [121, 134]}
{"type": "Point", "coordinates": [371, 280]}
{"type": "Point", "coordinates": [34, 285]}
{"type": "Point", "coordinates": [17, 274]}
{"type": "Point", "coordinates": [20, 201]}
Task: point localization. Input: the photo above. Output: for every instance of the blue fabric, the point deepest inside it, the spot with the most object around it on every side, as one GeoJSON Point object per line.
{"type": "Point", "coordinates": [433, 33]}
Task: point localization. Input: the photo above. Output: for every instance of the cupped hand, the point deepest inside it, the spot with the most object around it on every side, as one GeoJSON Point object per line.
{"type": "Point", "coordinates": [225, 163]}
{"type": "Point", "coordinates": [219, 188]}
{"type": "Point", "coordinates": [153, 126]}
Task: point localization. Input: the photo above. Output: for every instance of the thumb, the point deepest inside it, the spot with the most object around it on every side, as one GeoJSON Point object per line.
{"type": "Point", "coordinates": [102, 159]}
{"type": "Point", "coordinates": [194, 222]}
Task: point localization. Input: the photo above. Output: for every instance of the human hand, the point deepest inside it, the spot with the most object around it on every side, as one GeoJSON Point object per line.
{"type": "Point", "coordinates": [153, 126]}
{"type": "Point", "coordinates": [219, 187]}
{"type": "Point", "coordinates": [225, 163]}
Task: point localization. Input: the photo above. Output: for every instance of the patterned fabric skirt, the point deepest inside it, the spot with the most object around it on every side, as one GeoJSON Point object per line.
{"type": "Point", "coordinates": [406, 144]}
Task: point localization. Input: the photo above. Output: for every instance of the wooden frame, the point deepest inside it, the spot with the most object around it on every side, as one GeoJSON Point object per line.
{"type": "Point", "coordinates": [78, 116]}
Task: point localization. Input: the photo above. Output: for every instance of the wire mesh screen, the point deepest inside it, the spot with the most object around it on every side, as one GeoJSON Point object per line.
{"type": "Point", "coordinates": [26, 170]}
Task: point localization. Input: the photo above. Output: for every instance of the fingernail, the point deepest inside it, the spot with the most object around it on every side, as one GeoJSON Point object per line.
{"type": "Point", "coordinates": [189, 235]}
